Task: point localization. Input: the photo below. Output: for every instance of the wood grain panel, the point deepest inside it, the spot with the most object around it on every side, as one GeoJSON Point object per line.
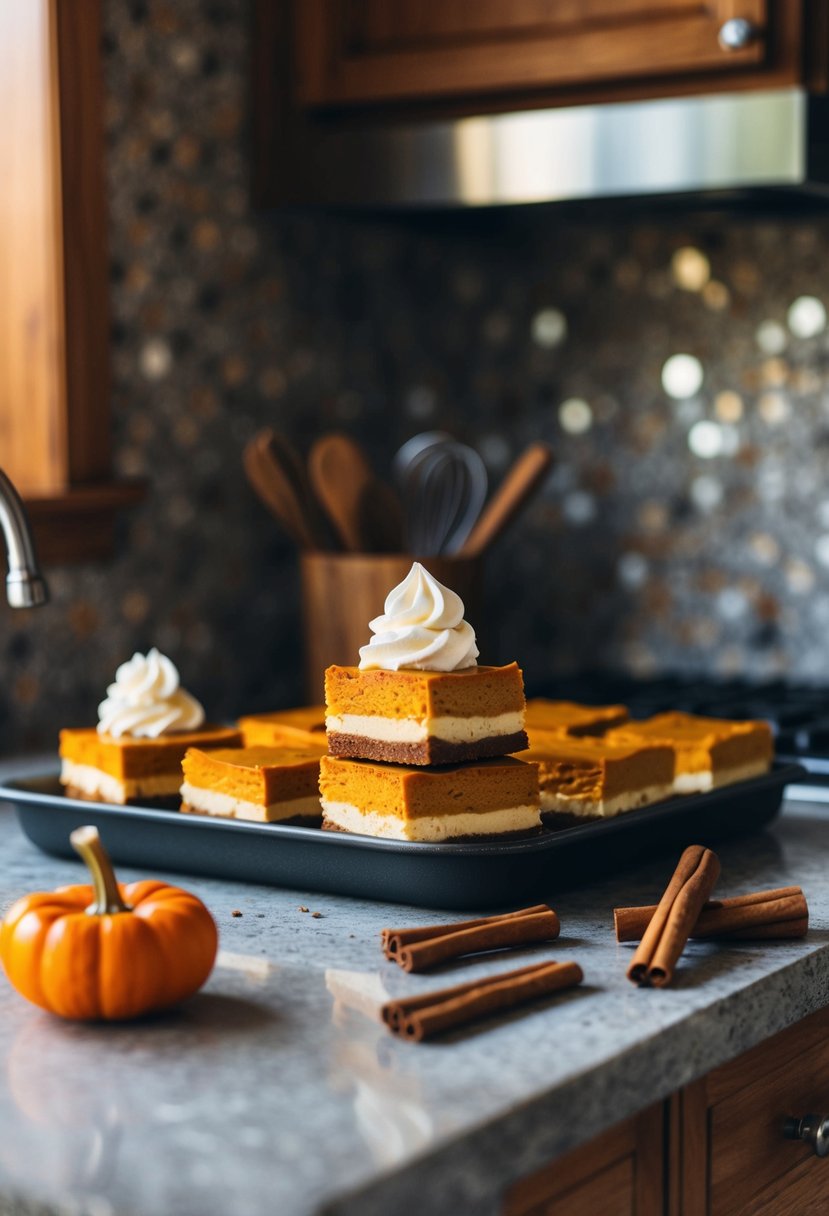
{"type": "Point", "coordinates": [55, 427]}
{"type": "Point", "coordinates": [691, 1168]}
{"type": "Point", "coordinates": [79, 525]}
{"type": "Point", "coordinates": [32, 343]}
{"type": "Point", "coordinates": [747, 1149]}
{"type": "Point", "coordinates": [727, 1153]}
{"type": "Point", "coordinates": [801, 1193]}
{"type": "Point", "coordinates": [620, 1173]}
{"type": "Point", "coordinates": [86, 264]}
{"type": "Point", "coordinates": [372, 25]}
{"type": "Point", "coordinates": [610, 1192]}
{"type": "Point", "coordinates": [786, 1046]}
{"type": "Point", "coordinates": [408, 50]}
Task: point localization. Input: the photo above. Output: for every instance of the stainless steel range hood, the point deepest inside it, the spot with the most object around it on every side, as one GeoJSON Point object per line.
{"type": "Point", "coordinates": [688, 145]}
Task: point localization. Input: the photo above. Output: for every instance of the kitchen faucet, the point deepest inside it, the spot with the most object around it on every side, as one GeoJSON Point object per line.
{"type": "Point", "coordinates": [25, 585]}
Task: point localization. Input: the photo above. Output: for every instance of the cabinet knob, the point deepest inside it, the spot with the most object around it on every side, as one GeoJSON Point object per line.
{"type": "Point", "coordinates": [737, 33]}
{"type": "Point", "coordinates": [814, 1129]}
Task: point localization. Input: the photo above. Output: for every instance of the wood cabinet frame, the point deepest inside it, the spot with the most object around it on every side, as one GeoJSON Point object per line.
{"type": "Point", "coordinates": [553, 58]}
{"type": "Point", "coordinates": [55, 422]}
{"type": "Point", "coordinates": [714, 1148]}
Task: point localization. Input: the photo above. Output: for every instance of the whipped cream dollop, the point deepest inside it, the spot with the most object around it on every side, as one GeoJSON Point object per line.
{"type": "Point", "coordinates": [422, 627]}
{"type": "Point", "coordinates": [147, 700]}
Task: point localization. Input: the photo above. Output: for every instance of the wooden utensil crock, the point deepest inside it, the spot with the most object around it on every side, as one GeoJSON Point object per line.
{"type": "Point", "coordinates": [342, 592]}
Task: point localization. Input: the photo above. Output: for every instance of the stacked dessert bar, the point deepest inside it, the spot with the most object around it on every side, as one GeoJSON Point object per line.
{"type": "Point", "coordinates": [420, 736]}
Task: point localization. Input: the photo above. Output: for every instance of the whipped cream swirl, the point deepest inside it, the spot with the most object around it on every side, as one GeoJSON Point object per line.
{"type": "Point", "coordinates": [146, 700]}
{"type": "Point", "coordinates": [422, 627]}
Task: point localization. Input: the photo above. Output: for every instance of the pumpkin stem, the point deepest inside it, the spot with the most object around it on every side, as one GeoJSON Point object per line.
{"type": "Point", "coordinates": [108, 901]}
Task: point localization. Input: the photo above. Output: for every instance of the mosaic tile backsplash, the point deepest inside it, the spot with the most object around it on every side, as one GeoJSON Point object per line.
{"type": "Point", "coordinates": [678, 363]}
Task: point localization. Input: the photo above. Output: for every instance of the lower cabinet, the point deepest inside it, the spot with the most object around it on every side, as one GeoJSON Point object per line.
{"type": "Point", "coordinates": [719, 1147]}
{"type": "Point", "coordinates": [619, 1174]}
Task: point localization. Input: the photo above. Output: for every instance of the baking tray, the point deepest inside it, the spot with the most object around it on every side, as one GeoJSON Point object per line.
{"type": "Point", "coordinates": [457, 876]}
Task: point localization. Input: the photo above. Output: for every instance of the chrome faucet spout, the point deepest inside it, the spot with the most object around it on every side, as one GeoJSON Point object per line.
{"type": "Point", "coordinates": [25, 585]}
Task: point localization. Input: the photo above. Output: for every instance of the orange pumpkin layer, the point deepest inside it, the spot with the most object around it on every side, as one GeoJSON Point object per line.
{"type": "Point", "coordinates": [474, 692]}
{"type": "Point", "coordinates": [126, 758]}
{"type": "Point", "coordinates": [704, 744]}
{"type": "Point", "coordinates": [409, 793]}
{"type": "Point", "coordinates": [262, 775]}
{"type": "Point", "coordinates": [285, 727]}
{"type": "Point", "coordinates": [573, 719]}
{"type": "Point", "coordinates": [597, 770]}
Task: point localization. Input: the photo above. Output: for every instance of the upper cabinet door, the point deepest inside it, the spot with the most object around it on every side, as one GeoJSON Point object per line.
{"type": "Point", "coordinates": [358, 52]}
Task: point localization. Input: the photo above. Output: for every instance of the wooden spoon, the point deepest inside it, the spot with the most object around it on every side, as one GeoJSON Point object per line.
{"type": "Point", "coordinates": [276, 490]}
{"type": "Point", "coordinates": [341, 478]}
{"type": "Point", "coordinates": [518, 486]}
{"type": "Point", "coordinates": [281, 459]}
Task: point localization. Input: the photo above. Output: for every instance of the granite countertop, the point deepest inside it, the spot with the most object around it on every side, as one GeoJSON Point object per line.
{"type": "Point", "coordinates": [274, 1090]}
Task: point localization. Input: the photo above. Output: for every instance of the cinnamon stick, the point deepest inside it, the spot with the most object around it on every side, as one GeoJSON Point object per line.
{"type": "Point", "coordinates": [676, 914]}
{"type": "Point", "coordinates": [394, 1012]}
{"type": "Point", "coordinates": [487, 997]}
{"type": "Point", "coordinates": [392, 939]}
{"type": "Point", "coordinates": [760, 915]}
{"type": "Point", "coordinates": [517, 931]}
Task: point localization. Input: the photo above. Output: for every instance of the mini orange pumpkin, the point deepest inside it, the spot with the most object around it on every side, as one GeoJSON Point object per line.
{"type": "Point", "coordinates": [108, 951]}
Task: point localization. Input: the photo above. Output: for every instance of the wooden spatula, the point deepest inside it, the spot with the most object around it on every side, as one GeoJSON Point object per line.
{"type": "Point", "coordinates": [341, 478]}
{"type": "Point", "coordinates": [281, 460]}
{"type": "Point", "coordinates": [276, 490]}
{"type": "Point", "coordinates": [518, 486]}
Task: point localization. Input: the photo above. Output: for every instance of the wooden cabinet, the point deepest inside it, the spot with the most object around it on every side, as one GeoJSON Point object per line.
{"type": "Point", "coordinates": [363, 102]}
{"type": "Point", "coordinates": [372, 52]}
{"type": "Point", "coordinates": [55, 421]}
{"type": "Point", "coordinates": [733, 1150]}
{"type": "Point", "coordinates": [717, 1148]}
{"type": "Point", "coordinates": [621, 1174]}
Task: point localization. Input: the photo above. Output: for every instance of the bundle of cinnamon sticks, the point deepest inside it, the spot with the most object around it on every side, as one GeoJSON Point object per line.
{"type": "Point", "coordinates": [417, 949]}
{"type": "Point", "coordinates": [685, 911]}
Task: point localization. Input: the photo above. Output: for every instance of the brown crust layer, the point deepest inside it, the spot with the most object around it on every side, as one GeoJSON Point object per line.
{"type": "Point", "coordinates": [430, 751]}
{"type": "Point", "coordinates": [328, 826]}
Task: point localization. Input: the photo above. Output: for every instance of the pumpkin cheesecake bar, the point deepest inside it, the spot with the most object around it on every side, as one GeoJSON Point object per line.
{"type": "Point", "coordinates": [291, 727]}
{"type": "Point", "coordinates": [100, 768]}
{"type": "Point", "coordinates": [573, 719]}
{"type": "Point", "coordinates": [487, 799]}
{"type": "Point", "coordinates": [710, 752]}
{"type": "Point", "coordinates": [597, 779]}
{"type": "Point", "coordinates": [262, 784]}
{"type": "Point", "coordinates": [424, 717]}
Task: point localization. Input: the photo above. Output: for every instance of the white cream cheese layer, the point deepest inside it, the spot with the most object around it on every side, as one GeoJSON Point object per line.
{"type": "Point", "coordinates": [211, 802]}
{"type": "Point", "coordinates": [603, 808]}
{"type": "Point", "coordinates": [415, 730]}
{"type": "Point", "coordinates": [103, 785]}
{"type": "Point", "coordinates": [431, 828]}
{"type": "Point", "coordinates": [704, 780]}
{"type": "Point", "coordinates": [694, 783]}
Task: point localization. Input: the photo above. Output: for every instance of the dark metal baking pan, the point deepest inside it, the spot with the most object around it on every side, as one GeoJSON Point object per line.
{"type": "Point", "coordinates": [458, 876]}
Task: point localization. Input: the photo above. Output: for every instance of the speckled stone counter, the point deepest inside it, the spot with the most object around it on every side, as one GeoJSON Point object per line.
{"type": "Point", "coordinates": [275, 1090]}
